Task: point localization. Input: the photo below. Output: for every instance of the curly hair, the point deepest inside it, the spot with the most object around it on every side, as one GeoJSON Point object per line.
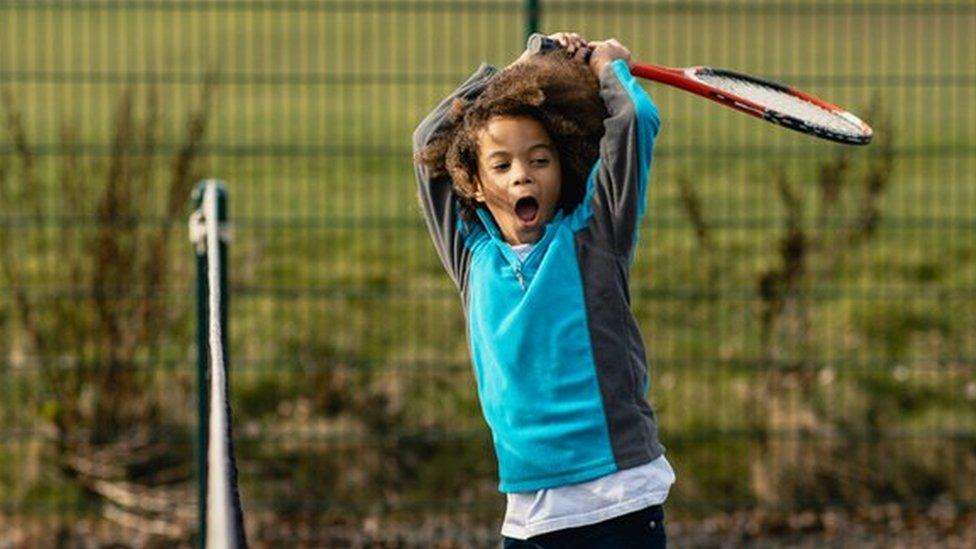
{"type": "Point", "coordinates": [560, 93]}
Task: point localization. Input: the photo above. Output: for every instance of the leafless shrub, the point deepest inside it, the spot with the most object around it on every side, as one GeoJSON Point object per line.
{"type": "Point", "coordinates": [787, 471]}
{"type": "Point", "coordinates": [839, 230]}
{"type": "Point", "coordinates": [691, 202]}
{"type": "Point", "coordinates": [98, 339]}
{"type": "Point", "coordinates": [780, 287]}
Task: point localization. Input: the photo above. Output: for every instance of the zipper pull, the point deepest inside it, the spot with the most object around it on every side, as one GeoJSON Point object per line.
{"type": "Point", "coordinates": [518, 275]}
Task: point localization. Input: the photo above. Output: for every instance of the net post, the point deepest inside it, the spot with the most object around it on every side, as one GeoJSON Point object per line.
{"type": "Point", "coordinates": [198, 239]}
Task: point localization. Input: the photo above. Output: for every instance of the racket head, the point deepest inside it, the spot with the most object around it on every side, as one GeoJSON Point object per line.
{"type": "Point", "coordinates": [783, 105]}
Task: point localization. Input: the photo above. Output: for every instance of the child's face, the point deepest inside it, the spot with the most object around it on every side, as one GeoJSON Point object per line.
{"type": "Point", "coordinates": [519, 178]}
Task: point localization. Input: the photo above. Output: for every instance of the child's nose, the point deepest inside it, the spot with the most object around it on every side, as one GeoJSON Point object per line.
{"type": "Point", "coordinates": [520, 174]}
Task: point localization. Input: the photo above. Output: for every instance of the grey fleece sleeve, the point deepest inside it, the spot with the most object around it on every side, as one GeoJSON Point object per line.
{"type": "Point", "coordinates": [437, 199]}
{"type": "Point", "coordinates": [620, 179]}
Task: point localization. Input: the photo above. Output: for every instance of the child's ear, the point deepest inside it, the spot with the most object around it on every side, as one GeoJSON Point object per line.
{"type": "Point", "coordinates": [479, 196]}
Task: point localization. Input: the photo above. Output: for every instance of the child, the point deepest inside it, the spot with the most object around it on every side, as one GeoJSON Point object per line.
{"type": "Point", "coordinates": [532, 181]}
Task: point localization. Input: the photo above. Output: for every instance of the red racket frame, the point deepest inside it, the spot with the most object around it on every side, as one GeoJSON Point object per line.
{"type": "Point", "coordinates": [684, 78]}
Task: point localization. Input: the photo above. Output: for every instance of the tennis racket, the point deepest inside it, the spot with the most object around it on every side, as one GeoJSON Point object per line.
{"type": "Point", "coordinates": [770, 101]}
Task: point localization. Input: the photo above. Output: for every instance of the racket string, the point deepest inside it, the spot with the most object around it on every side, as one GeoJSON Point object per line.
{"type": "Point", "coordinates": [784, 103]}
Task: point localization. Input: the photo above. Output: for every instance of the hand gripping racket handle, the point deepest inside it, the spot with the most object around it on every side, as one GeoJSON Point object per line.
{"type": "Point", "coordinates": [538, 43]}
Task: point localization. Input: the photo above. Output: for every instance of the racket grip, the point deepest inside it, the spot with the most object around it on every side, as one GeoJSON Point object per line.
{"type": "Point", "coordinates": [538, 43]}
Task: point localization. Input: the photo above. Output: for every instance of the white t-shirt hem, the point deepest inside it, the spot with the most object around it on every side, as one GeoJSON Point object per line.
{"type": "Point", "coordinates": [585, 519]}
{"type": "Point", "coordinates": [534, 513]}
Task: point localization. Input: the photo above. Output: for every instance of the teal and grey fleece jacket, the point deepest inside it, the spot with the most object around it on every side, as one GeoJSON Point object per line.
{"type": "Point", "coordinates": [558, 358]}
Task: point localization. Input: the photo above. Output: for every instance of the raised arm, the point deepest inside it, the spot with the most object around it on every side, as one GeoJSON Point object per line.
{"type": "Point", "coordinates": [437, 200]}
{"type": "Point", "coordinates": [617, 188]}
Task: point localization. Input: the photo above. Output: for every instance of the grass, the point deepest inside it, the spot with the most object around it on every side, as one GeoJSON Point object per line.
{"type": "Point", "coordinates": [347, 337]}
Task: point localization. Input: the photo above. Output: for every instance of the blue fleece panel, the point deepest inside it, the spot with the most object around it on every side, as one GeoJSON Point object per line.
{"type": "Point", "coordinates": [534, 365]}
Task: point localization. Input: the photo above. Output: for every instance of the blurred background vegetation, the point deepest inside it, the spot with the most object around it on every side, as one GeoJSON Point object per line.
{"type": "Point", "coordinates": [808, 308]}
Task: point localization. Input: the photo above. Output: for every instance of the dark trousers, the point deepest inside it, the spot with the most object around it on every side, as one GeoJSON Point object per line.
{"type": "Point", "coordinates": [642, 529]}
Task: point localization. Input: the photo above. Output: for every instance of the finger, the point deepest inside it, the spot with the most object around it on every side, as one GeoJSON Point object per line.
{"type": "Point", "coordinates": [563, 38]}
{"type": "Point", "coordinates": [572, 42]}
{"type": "Point", "coordinates": [571, 45]}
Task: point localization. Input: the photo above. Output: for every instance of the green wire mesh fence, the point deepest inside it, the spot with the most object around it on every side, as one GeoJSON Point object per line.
{"type": "Point", "coordinates": [808, 309]}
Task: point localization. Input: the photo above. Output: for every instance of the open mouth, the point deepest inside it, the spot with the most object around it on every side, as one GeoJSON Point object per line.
{"type": "Point", "coordinates": [527, 208]}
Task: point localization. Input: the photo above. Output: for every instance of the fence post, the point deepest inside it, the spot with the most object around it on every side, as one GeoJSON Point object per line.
{"type": "Point", "coordinates": [531, 17]}
{"type": "Point", "coordinates": [198, 237]}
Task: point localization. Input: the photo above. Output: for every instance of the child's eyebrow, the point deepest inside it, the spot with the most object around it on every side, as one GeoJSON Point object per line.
{"type": "Point", "coordinates": [506, 154]}
{"type": "Point", "coordinates": [493, 154]}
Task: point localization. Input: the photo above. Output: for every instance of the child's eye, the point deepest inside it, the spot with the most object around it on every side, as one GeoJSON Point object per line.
{"type": "Point", "coordinates": [541, 161]}
{"type": "Point", "coordinates": [500, 167]}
